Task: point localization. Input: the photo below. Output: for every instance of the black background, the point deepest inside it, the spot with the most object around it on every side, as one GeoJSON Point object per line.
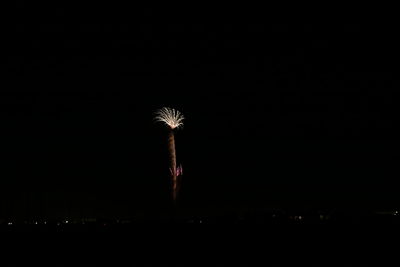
{"type": "Point", "coordinates": [277, 115]}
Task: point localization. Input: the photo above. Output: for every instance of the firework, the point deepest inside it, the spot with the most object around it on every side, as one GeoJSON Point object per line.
{"type": "Point", "coordinates": [171, 117]}
{"type": "Point", "coordinates": [174, 120]}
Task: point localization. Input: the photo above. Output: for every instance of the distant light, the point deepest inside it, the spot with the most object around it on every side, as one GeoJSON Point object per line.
{"type": "Point", "coordinates": [10, 223]}
{"type": "Point", "coordinates": [36, 222]}
{"type": "Point", "coordinates": [300, 217]}
{"type": "Point", "coordinates": [200, 221]}
{"type": "Point", "coordinates": [45, 222]}
{"type": "Point", "coordinates": [66, 221]}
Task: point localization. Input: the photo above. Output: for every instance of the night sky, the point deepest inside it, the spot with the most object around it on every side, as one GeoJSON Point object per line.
{"type": "Point", "coordinates": [277, 115]}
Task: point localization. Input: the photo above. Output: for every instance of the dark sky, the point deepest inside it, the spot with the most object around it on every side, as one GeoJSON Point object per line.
{"type": "Point", "coordinates": [278, 115]}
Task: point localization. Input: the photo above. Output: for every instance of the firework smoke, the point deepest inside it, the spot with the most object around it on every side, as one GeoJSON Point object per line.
{"type": "Point", "coordinates": [174, 120]}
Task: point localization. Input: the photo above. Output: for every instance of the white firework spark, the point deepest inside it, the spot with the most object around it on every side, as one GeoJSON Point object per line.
{"type": "Point", "coordinates": [171, 117]}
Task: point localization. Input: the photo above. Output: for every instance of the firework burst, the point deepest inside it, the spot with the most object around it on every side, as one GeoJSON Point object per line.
{"type": "Point", "coordinates": [171, 117]}
{"type": "Point", "coordinates": [174, 120]}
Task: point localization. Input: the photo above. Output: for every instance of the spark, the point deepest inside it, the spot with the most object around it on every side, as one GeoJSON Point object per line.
{"type": "Point", "coordinates": [178, 171]}
{"type": "Point", "coordinates": [171, 117]}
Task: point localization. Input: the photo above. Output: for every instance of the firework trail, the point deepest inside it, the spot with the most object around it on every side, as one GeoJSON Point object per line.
{"type": "Point", "coordinates": [174, 120]}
